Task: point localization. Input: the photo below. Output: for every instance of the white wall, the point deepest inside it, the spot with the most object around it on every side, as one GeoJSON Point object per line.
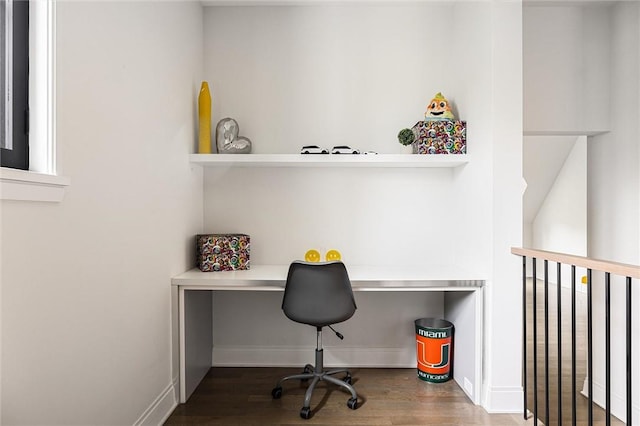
{"type": "Point", "coordinates": [543, 157]}
{"type": "Point", "coordinates": [384, 216]}
{"type": "Point", "coordinates": [614, 198]}
{"type": "Point", "coordinates": [503, 300]}
{"type": "Point", "coordinates": [440, 204]}
{"type": "Point", "coordinates": [357, 74]}
{"type": "Point", "coordinates": [561, 222]}
{"type": "Point", "coordinates": [86, 326]}
{"type": "Point", "coordinates": [328, 75]}
{"type": "Point", "coordinates": [566, 67]}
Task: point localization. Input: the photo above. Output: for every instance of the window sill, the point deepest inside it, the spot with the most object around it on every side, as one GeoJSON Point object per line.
{"type": "Point", "coordinates": [22, 185]}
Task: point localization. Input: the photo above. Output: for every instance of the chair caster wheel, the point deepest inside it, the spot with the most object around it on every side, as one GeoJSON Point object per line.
{"type": "Point", "coordinates": [307, 369]}
{"type": "Point", "coordinates": [276, 393]}
{"type": "Point", "coordinates": [352, 403]}
{"type": "Point", "coordinates": [347, 379]}
{"type": "Point", "coordinates": [305, 413]}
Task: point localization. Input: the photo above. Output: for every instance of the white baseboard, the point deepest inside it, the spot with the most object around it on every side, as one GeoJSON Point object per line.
{"type": "Point", "coordinates": [278, 356]}
{"type": "Point", "coordinates": [618, 402]}
{"type": "Point", "coordinates": [504, 399]}
{"type": "Point", "coordinates": [160, 409]}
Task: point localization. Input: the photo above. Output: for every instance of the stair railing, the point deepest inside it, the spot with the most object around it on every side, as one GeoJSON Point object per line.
{"type": "Point", "coordinates": [608, 268]}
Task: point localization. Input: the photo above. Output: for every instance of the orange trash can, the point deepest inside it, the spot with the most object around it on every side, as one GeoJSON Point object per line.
{"type": "Point", "coordinates": [434, 344]}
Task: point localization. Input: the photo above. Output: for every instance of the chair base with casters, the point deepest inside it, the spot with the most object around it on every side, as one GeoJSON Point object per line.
{"type": "Point", "coordinates": [317, 374]}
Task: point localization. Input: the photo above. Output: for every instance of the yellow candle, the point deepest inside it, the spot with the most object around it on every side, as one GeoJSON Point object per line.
{"type": "Point", "coordinates": [204, 115]}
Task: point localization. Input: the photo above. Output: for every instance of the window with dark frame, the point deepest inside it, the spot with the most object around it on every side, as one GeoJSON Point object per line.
{"type": "Point", "coordinates": [14, 82]}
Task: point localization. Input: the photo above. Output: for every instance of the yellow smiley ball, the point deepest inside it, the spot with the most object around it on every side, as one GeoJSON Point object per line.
{"type": "Point", "coordinates": [312, 256]}
{"type": "Point", "coordinates": [333, 255]}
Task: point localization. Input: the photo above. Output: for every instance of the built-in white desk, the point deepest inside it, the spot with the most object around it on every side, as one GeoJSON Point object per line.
{"type": "Point", "coordinates": [462, 299]}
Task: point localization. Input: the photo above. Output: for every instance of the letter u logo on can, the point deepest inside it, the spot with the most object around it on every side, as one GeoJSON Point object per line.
{"type": "Point", "coordinates": [433, 355]}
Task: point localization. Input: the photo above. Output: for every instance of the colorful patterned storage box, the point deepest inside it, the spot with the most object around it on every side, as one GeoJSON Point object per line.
{"type": "Point", "coordinates": [222, 252]}
{"type": "Point", "coordinates": [440, 137]}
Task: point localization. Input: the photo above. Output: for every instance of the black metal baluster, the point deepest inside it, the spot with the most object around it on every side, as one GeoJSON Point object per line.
{"type": "Point", "coordinates": [629, 375]}
{"type": "Point", "coordinates": [524, 335]}
{"type": "Point", "coordinates": [559, 308]}
{"type": "Point", "coordinates": [608, 382]}
{"type": "Point", "coordinates": [589, 349]}
{"type": "Point", "coordinates": [546, 342]}
{"type": "Point", "coordinates": [535, 344]}
{"type": "Point", "coordinates": [573, 346]}
{"type": "Point", "coordinates": [607, 357]}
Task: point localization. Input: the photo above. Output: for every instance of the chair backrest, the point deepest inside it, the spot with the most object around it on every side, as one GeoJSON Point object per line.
{"type": "Point", "coordinates": [318, 294]}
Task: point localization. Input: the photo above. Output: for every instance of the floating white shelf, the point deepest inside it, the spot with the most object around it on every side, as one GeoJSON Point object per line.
{"type": "Point", "coordinates": [287, 2]}
{"type": "Point", "coordinates": [328, 160]}
{"type": "Point", "coordinates": [564, 132]}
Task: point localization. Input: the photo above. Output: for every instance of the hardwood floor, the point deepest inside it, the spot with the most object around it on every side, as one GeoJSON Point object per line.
{"type": "Point", "coordinates": [242, 396]}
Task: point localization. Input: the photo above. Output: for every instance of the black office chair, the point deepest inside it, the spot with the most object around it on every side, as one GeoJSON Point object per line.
{"type": "Point", "coordinates": [318, 294]}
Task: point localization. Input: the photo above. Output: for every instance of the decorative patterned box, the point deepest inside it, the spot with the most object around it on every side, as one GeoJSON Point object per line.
{"type": "Point", "coordinates": [222, 252]}
{"type": "Point", "coordinates": [440, 137]}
